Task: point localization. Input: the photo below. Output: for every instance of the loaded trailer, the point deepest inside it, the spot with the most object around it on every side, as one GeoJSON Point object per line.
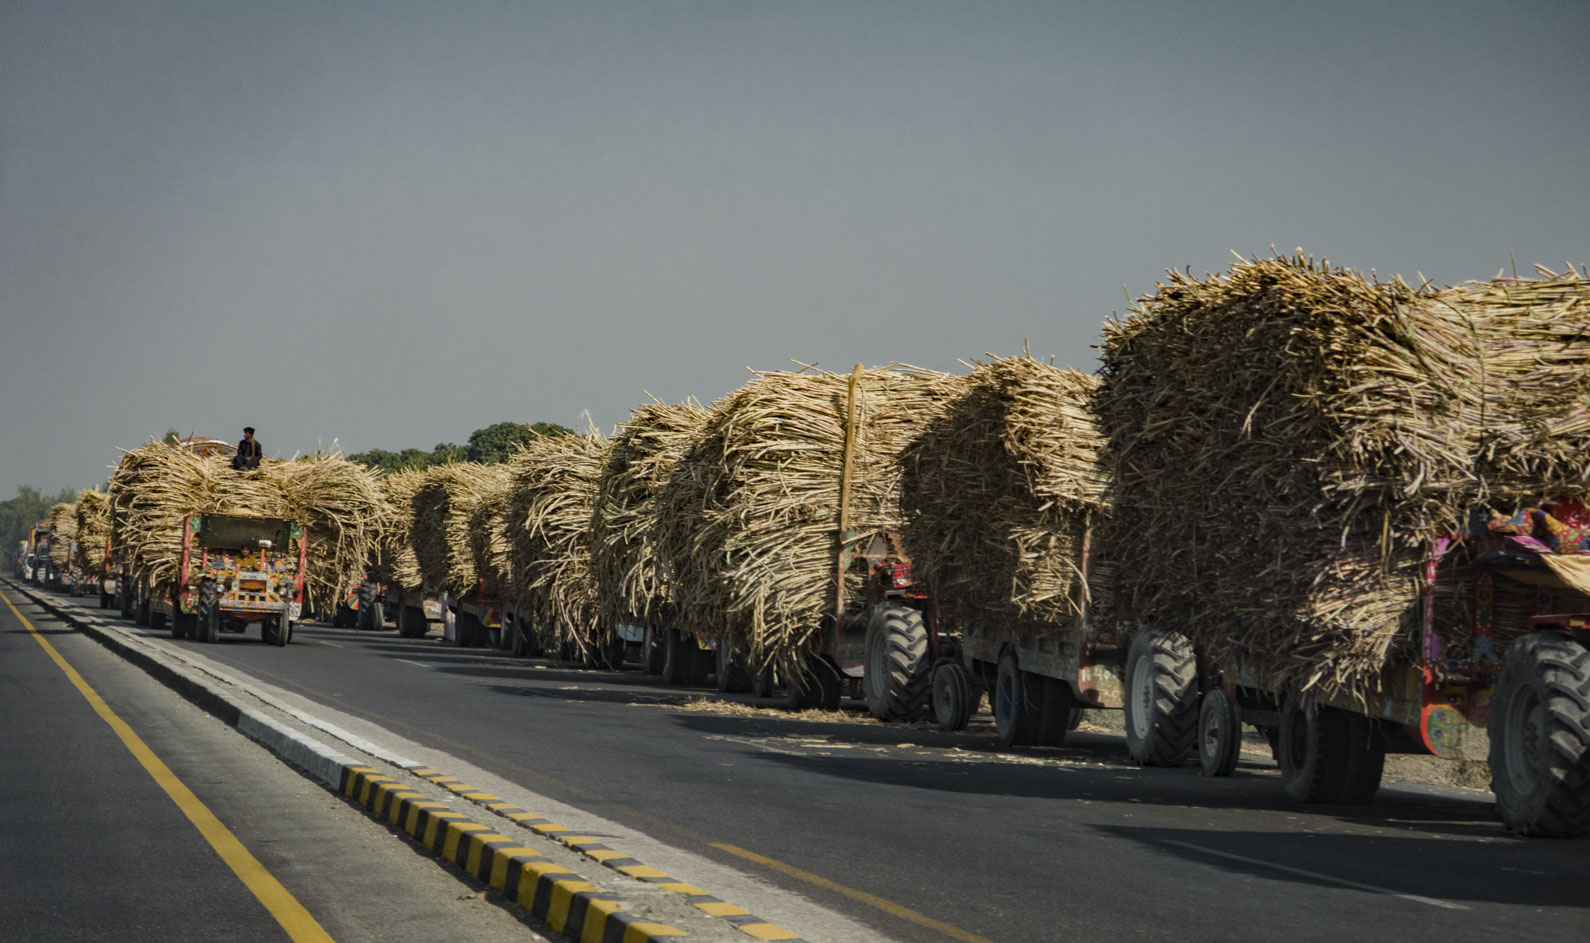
{"type": "Point", "coordinates": [1517, 695]}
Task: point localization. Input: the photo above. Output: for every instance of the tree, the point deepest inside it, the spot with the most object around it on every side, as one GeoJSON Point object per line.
{"type": "Point", "coordinates": [494, 443]}
{"type": "Point", "coordinates": [20, 513]}
{"type": "Point", "coordinates": [497, 442]}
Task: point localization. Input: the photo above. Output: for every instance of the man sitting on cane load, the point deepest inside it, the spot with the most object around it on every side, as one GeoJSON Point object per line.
{"type": "Point", "coordinates": [249, 451]}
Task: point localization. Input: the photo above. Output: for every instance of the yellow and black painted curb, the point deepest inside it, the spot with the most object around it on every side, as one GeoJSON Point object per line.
{"type": "Point", "coordinates": [742, 920]}
{"type": "Point", "coordinates": [557, 896]}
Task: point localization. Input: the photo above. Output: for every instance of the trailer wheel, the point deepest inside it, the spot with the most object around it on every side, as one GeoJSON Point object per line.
{"type": "Point", "coordinates": [471, 632]}
{"type": "Point", "coordinates": [1017, 713]}
{"type": "Point", "coordinates": [653, 650]}
{"type": "Point", "coordinates": [1219, 733]}
{"type": "Point", "coordinates": [679, 656]}
{"type": "Point", "coordinates": [1161, 698]}
{"type": "Point", "coordinates": [952, 696]}
{"type": "Point", "coordinates": [814, 684]}
{"type": "Point", "coordinates": [105, 599]}
{"type": "Point", "coordinates": [733, 675]}
{"type": "Point", "coordinates": [141, 608]}
{"type": "Point", "coordinates": [157, 619]}
{"type": "Point", "coordinates": [610, 655]}
{"type": "Point", "coordinates": [124, 601]}
{"type": "Point", "coordinates": [411, 622]}
{"type": "Point", "coordinates": [1329, 755]}
{"type": "Point", "coordinates": [898, 672]}
{"type": "Point", "coordinates": [762, 683]}
{"type": "Point", "coordinates": [1540, 736]}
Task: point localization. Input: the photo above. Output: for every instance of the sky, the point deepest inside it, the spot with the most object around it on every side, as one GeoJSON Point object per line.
{"type": "Point", "coordinates": [385, 225]}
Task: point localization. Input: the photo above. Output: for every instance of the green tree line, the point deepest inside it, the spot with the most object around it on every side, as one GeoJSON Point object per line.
{"type": "Point", "coordinates": [494, 443]}
{"type": "Point", "coordinates": [20, 513]}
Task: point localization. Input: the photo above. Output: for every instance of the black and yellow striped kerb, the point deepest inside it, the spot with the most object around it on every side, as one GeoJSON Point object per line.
{"type": "Point", "coordinates": [743, 920]}
{"type": "Point", "coordinates": [549, 891]}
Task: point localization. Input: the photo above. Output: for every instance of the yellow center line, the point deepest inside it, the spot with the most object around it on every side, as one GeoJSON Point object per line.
{"type": "Point", "coordinates": [872, 900]}
{"type": "Point", "coordinates": [299, 924]}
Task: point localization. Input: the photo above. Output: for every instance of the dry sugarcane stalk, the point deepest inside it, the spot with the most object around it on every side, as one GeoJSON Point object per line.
{"type": "Point", "coordinates": [1001, 493]}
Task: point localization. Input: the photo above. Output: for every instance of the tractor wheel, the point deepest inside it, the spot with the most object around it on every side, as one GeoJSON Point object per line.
{"type": "Point", "coordinates": [105, 599]}
{"type": "Point", "coordinates": [1329, 755]}
{"type": "Point", "coordinates": [654, 651]}
{"type": "Point", "coordinates": [1540, 736]}
{"type": "Point", "coordinates": [730, 670]}
{"type": "Point", "coordinates": [815, 685]}
{"type": "Point", "coordinates": [898, 671]}
{"type": "Point", "coordinates": [277, 631]}
{"type": "Point", "coordinates": [1016, 711]}
{"type": "Point", "coordinates": [1219, 733]}
{"type": "Point", "coordinates": [207, 614]}
{"type": "Point", "coordinates": [1161, 698]}
{"type": "Point", "coordinates": [370, 616]}
{"type": "Point", "coordinates": [952, 696]}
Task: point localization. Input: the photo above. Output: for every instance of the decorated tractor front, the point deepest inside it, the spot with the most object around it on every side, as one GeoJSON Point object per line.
{"type": "Point", "coordinates": [241, 570]}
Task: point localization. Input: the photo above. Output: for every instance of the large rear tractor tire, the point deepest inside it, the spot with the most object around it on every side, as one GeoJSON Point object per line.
{"type": "Point", "coordinates": [898, 679]}
{"type": "Point", "coordinates": [1329, 755]}
{"type": "Point", "coordinates": [1540, 736]}
{"type": "Point", "coordinates": [371, 618]}
{"type": "Point", "coordinates": [952, 696]}
{"type": "Point", "coordinates": [1219, 733]}
{"type": "Point", "coordinates": [1161, 698]}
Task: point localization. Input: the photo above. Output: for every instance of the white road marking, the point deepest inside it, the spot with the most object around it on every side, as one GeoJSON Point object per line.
{"type": "Point", "coordinates": [1431, 901]}
{"type": "Point", "coordinates": [417, 664]}
{"type": "Point", "coordinates": [321, 641]}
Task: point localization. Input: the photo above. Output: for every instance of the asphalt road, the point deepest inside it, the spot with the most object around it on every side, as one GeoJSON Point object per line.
{"type": "Point", "coordinates": [927, 836]}
{"type": "Point", "coordinates": [96, 850]}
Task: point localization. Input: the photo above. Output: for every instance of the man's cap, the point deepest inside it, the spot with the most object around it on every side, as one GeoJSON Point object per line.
{"type": "Point", "coordinates": [249, 429]}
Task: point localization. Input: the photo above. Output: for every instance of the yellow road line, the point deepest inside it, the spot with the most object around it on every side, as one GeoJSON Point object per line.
{"type": "Point", "coordinates": [289, 913]}
{"type": "Point", "coordinates": [872, 900]}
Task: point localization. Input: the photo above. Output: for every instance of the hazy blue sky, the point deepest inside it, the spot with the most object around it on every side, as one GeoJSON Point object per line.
{"type": "Point", "coordinates": [391, 224]}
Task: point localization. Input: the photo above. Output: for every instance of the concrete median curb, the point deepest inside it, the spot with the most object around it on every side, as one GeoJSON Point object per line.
{"type": "Point", "coordinates": [555, 895]}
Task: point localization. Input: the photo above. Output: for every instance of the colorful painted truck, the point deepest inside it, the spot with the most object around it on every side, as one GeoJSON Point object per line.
{"type": "Point", "coordinates": [235, 572]}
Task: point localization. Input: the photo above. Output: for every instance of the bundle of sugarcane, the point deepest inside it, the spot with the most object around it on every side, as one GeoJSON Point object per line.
{"type": "Point", "coordinates": [63, 531]}
{"type": "Point", "coordinates": [1003, 494]}
{"type": "Point", "coordinates": [548, 522]}
{"type": "Point", "coordinates": [93, 529]}
{"type": "Point", "coordinates": [631, 584]}
{"type": "Point", "coordinates": [442, 505]}
{"type": "Point", "coordinates": [750, 528]}
{"type": "Point", "coordinates": [339, 503]}
{"type": "Point", "coordinates": [1285, 439]}
{"type": "Point", "coordinates": [393, 560]}
{"type": "Point", "coordinates": [490, 543]}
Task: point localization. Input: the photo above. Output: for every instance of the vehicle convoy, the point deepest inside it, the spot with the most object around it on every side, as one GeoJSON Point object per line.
{"type": "Point", "coordinates": [42, 571]}
{"type": "Point", "coordinates": [235, 571]}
